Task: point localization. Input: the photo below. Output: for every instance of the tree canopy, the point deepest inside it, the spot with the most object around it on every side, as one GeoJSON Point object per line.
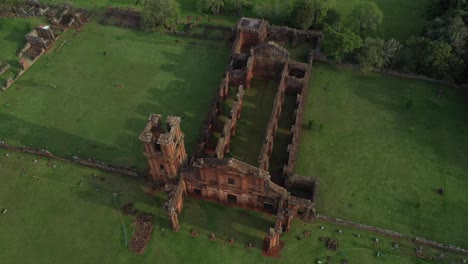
{"type": "Point", "coordinates": [310, 13]}
{"type": "Point", "coordinates": [159, 13]}
{"type": "Point", "coordinates": [366, 18]}
{"type": "Point", "coordinates": [213, 6]}
{"type": "Point", "coordinates": [339, 41]}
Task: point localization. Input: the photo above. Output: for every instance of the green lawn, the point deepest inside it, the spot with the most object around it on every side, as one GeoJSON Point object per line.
{"type": "Point", "coordinates": [64, 214]}
{"type": "Point", "coordinates": [81, 102]}
{"type": "Point", "coordinates": [381, 163]}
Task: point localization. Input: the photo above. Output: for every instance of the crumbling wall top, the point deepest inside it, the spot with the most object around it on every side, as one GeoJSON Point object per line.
{"type": "Point", "coordinates": [232, 163]}
{"type": "Point", "coordinates": [153, 121]}
{"type": "Point", "coordinates": [173, 120]}
{"type": "Point", "coordinates": [272, 50]}
{"type": "Point", "coordinates": [250, 23]}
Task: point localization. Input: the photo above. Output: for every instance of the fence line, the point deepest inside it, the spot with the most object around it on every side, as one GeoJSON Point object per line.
{"type": "Point", "coordinates": [88, 163]}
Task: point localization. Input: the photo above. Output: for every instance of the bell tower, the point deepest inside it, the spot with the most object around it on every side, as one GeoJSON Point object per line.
{"type": "Point", "coordinates": [164, 148]}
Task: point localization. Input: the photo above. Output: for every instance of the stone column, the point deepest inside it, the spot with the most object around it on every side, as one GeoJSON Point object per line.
{"type": "Point", "coordinates": [272, 241]}
{"type": "Point", "coordinates": [173, 219]}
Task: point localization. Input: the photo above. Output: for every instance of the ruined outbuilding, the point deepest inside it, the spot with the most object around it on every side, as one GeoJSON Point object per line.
{"type": "Point", "coordinates": [210, 173]}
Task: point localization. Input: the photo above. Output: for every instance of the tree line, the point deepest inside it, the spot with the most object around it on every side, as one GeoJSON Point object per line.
{"type": "Point", "coordinates": [440, 52]}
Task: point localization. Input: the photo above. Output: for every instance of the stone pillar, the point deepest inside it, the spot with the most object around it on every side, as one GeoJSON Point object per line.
{"type": "Point", "coordinates": [272, 241]}
{"type": "Point", "coordinates": [173, 219]}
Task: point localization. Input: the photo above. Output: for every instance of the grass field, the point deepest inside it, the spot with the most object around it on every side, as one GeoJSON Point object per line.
{"type": "Point", "coordinates": [381, 163]}
{"type": "Point", "coordinates": [81, 102]}
{"type": "Point", "coordinates": [65, 214]}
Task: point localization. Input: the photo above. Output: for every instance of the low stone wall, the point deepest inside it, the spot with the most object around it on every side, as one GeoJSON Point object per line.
{"type": "Point", "coordinates": [89, 163]}
{"type": "Point", "coordinates": [431, 243]}
{"type": "Point", "coordinates": [292, 35]}
{"type": "Point", "coordinates": [4, 67]}
{"type": "Point", "coordinates": [385, 232]}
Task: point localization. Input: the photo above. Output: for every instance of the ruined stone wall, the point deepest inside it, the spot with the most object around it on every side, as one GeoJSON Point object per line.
{"type": "Point", "coordinates": [176, 197]}
{"type": "Point", "coordinates": [306, 184]}
{"type": "Point", "coordinates": [385, 232]}
{"type": "Point", "coordinates": [296, 129]}
{"type": "Point", "coordinates": [229, 129]}
{"type": "Point", "coordinates": [233, 182]}
{"type": "Point", "coordinates": [292, 35]}
{"type": "Point", "coordinates": [269, 60]}
{"type": "Point", "coordinates": [250, 37]}
{"type": "Point", "coordinates": [249, 72]}
{"type": "Point", "coordinates": [431, 243]}
{"type": "Point", "coordinates": [236, 46]}
{"type": "Point", "coordinates": [237, 69]}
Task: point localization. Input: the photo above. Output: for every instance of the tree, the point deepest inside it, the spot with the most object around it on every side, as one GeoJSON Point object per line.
{"type": "Point", "coordinates": [236, 5]}
{"type": "Point", "coordinates": [444, 7]}
{"type": "Point", "coordinates": [391, 51]}
{"type": "Point", "coordinates": [310, 13]}
{"type": "Point", "coordinates": [366, 18]}
{"type": "Point", "coordinates": [213, 6]}
{"type": "Point", "coordinates": [278, 10]}
{"type": "Point", "coordinates": [339, 41]}
{"type": "Point", "coordinates": [377, 53]}
{"type": "Point", "coordinates": [452, 30]}
{"type": "Point", "coordinates": [159, 13]}
{"type": "Point", "coordinates": [333, 17]}
{"type": "Point", "coordinates": [433, 58]}
{"type": "Point", "coordinates": [437, 56]}
{"type": "Point", "coordinates": [371, 54]}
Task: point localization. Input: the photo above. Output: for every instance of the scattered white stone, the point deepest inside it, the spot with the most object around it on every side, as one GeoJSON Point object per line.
{"type": "Point", "coordinates": [376, 240]}
{"type": "Point", "coordinates": [4, 211]}
{"type": "Point", "coordinates": [358, 235]}
{"type": "Point", "coordinates": [340, 231]}
{"type": "Point", "coordinates": [7, 155]}
{"type": "Point", "coordinates": [35, 161]}
{"type": "Point", "coordinates": [54, 166]}
{"type": "Point", "coordinates": [322, 227]}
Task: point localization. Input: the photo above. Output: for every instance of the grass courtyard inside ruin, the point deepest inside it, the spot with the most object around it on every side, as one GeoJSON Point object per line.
{"type": "Point", "coordinates": [81, 102]}
{"type": "Point", "coordinates": [380, 162]}
{"type": "Point", "coordinates": [252, 127]}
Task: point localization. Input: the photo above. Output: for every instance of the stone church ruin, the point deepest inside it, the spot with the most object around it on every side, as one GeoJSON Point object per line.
{"type": "Point", "coordinates": [210, 173]}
